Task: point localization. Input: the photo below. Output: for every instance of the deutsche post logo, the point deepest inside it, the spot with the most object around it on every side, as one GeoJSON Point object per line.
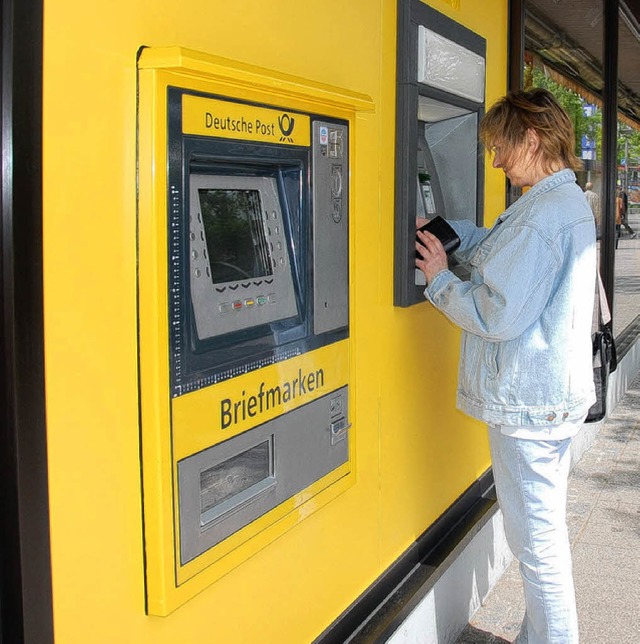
{"type": "Point", "coordinates": [211, 117]}
{"type": "Point", "coordinates": [286, 124]}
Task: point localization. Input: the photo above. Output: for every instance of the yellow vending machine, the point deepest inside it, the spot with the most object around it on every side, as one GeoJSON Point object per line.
{"type": "Point", "coordinates": [244, 199]}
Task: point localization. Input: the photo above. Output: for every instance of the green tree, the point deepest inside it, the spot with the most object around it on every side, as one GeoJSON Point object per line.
{"type": "Point", "coordinates": [591, 126]}
{"type": "Point", "coordinates": [629, 143]}
{"type": "Point", "coordinates": [571, 102]}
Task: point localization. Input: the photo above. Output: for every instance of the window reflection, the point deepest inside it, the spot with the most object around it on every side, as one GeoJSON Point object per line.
{"type": "Point", "coordinates": [572, 69]}
{"type": "Point", "coordinates": [626, 301]}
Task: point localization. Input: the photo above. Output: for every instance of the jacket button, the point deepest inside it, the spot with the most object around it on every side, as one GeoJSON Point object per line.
{"type": "Point", "coordinates": [565, 415]}
{"type": "Point", "coordinates": [551, 416]}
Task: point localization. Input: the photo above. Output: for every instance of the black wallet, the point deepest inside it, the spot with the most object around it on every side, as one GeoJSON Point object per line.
{"type": "Point", "coordinates": [441, 229]}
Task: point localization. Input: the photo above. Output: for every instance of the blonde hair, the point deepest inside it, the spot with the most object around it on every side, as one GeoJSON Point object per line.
{"type": "Point", "coordinates": [507, 122]}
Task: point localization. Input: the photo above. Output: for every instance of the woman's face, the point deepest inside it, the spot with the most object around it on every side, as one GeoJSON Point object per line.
{"type": "Point", "coordinates": [521, 164]}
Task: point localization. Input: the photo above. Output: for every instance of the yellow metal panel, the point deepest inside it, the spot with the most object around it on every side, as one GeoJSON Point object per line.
{"type": "Point", "coordinates": [214, 414]}
{"type": "Point", "coordinates": [211, 117]}
{"type": "Point", "coordinates": [258, 82]}
{"type": "Point", "coordinates": [217, 413]}
{"type": "Point", "coordinates": [413, 453]}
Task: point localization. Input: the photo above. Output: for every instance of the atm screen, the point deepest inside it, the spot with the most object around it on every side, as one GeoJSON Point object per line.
{"type": "Point", "coordinates": [235, 234]}
{"type": "Point", "coordinates": [241, 274]}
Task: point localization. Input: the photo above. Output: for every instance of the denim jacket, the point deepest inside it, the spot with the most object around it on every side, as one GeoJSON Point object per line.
{"type": "Point", "coordinates": [526, 312]}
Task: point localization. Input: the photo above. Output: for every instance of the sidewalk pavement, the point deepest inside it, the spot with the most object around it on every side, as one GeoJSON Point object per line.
{"type": "Point", "coordinates": [603, 515]}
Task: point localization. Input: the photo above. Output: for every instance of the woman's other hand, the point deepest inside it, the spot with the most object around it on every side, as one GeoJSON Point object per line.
{"type": "Point", "coordinates": [434, 259]}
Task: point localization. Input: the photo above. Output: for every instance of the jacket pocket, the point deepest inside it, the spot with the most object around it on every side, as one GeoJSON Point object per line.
{"type": "Point", "coordinates": [482, 251]}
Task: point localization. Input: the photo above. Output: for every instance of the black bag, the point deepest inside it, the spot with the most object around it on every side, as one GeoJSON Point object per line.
{"type": "Point", "coordinates": [605, 358]}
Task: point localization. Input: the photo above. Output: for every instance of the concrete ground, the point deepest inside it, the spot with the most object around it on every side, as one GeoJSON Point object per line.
{"type": "Point", "coordinates": [603, 515]}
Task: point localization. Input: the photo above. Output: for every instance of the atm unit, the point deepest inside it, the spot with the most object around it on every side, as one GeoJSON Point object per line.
{"type": "Point", "coordinates": [244, 312]}
{"type": "Point", "coordinates": [440, 101]}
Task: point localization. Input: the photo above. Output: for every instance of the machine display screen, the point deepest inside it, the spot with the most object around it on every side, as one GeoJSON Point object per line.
{"type": "Point", "coordinates": [235, 234]}
{"type": "Point", "coordinates": [240, 271]}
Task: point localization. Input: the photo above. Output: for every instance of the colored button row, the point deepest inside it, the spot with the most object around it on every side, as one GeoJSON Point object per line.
{"type": "Point", "coordinates": [248, 303]}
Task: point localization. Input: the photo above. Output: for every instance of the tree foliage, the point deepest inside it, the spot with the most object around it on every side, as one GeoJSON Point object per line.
{"type": "Point", "coordinates": [590, 126]}
{"type": "Point", "coordinates": [569, 100]}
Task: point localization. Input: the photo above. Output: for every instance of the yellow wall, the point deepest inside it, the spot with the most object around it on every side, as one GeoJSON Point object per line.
{"type": "Point", "coordinates": [414, 454]}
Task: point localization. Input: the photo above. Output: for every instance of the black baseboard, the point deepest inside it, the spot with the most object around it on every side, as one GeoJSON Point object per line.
{"type": "Point", "coordinates": [384, 605]}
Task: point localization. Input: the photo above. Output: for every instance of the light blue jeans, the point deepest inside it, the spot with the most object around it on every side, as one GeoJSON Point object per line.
{"type": "Point", "coordinates": [531, 484]}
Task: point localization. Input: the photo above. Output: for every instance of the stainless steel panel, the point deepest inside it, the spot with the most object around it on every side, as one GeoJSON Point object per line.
{"type": "Point", "coordinates": [330, 178]}
{"type": "Point", "coordinates": [226, 487]}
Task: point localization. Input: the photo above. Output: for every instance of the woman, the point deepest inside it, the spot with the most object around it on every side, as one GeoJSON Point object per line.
{"type": "Point", "coordinates": [525, 363]}
{"type": "Point", "coordinates": [619, 208]}
{"type": "Point", "coordinates": [622, 203]}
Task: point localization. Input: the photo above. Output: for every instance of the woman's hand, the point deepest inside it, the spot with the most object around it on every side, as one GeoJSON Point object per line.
{"type": "Point", "coordinates": [434, 259]}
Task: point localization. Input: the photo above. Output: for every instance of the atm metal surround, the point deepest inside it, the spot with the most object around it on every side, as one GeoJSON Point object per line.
{"type": "Point", "coordinates": [241, 322]}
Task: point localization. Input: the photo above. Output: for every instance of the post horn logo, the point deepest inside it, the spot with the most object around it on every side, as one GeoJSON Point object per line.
{"type": "Point", "coordinates": [286, 124]}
